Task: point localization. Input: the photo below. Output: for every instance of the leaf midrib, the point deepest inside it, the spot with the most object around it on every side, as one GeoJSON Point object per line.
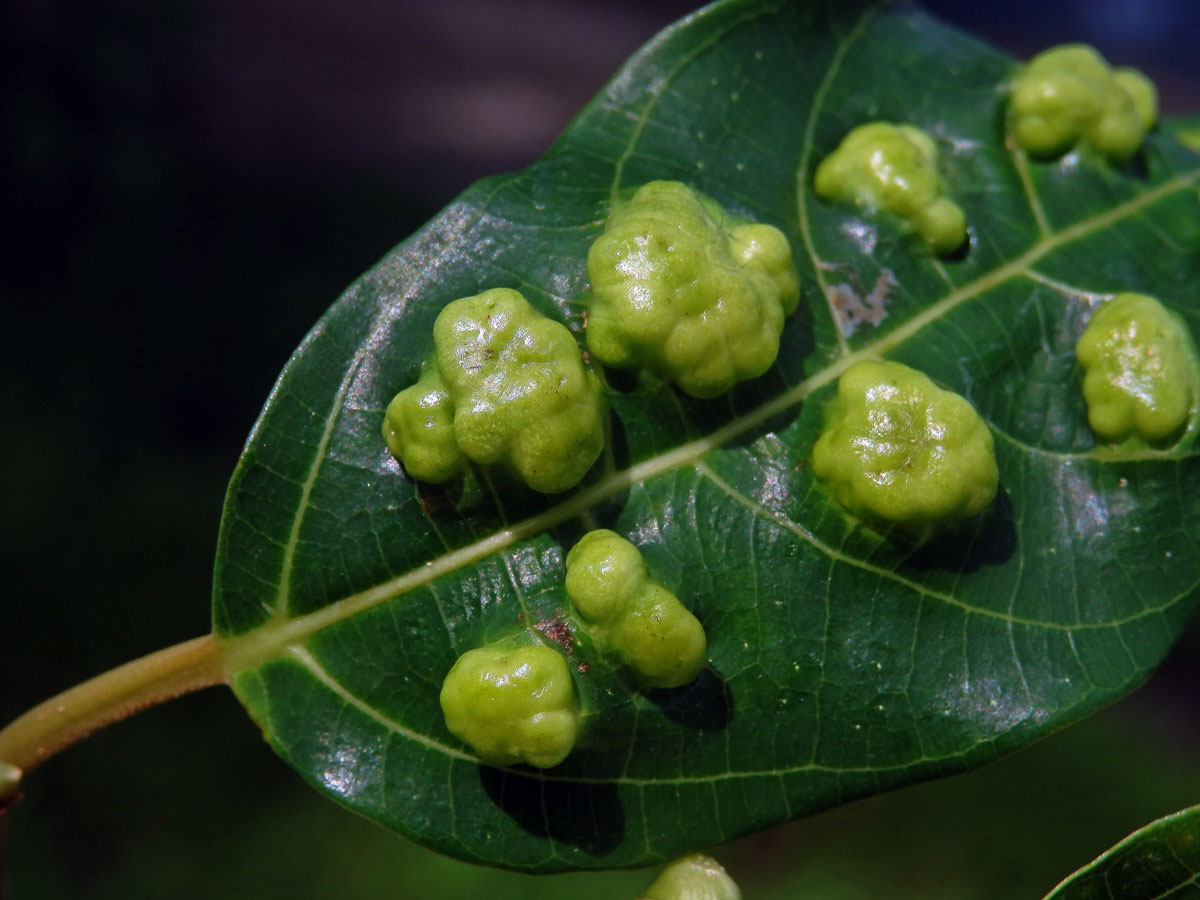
{"type": "Point", "coordinates": [270, 640]}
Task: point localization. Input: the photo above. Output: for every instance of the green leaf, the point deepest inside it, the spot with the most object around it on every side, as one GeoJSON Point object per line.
{"type": "Point", "coordinates": [840, 664]}
{"type": "Point", "coordinates": [1157, 862]}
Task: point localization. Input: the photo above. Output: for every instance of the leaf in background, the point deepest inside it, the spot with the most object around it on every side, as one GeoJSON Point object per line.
{"type": "Point", "coordinates": [1158, 862]}
{"type": "Point", "coordinates": [840, 665]}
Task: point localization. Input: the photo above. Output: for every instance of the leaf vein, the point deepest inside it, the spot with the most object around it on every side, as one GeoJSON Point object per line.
{"type": "Point", "coordinates": [802, 192]}
{"type": "Point", "coordinates": [257, 645]}
{"type": "Point", "coordinates": [837, 556]}
{"type": "Point", "coordinates": [655, 95]}
{"type": "Point", "coordinates": [1020, 162]}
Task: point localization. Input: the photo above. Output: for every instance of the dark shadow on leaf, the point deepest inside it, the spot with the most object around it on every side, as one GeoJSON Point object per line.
{"type": "Point", "coordinates": [623, 381]}
{"type": "Point", "coordinates": [990, 540]}
{"type": "Point", "coordinates": [586, 815]}
{"type": "Point", "coordinates": [963, 250]}
{"type": "Point", "coordinates": [618, 441]}
{"type": "Point", "coordinates": [501, 493]}
{"type": "Point", "coordinates": [651, 416]}
{"type": "Point", "coordinates": [442, 500]}
{"type": "Point", "coordinates": [705, 705]}
{"type": "Point", "coordinates": [1138, 166]}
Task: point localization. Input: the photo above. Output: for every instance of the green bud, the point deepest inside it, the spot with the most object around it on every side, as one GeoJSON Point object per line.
{"type": "Point", "coordinates": [512, 704]}
{"type": "Point", "coordinates": [628, 613]}
{"type": "Point", "coordinates": [1069, 95]}
{"type": "Point", "coordinates": [881, 166]}
{"type": "Point", "coordinates": [1140, 371]}
{"type": "Point", "coordinates": [419, 429]}
{"type": "Point", "coordinates": [695, 877]}
{"type": "Point", "coordinates": [684, 289]}
{"type": "Point", "coordinates": [509, 389]}
{"type": "Point", "coordinates": [899, 451]}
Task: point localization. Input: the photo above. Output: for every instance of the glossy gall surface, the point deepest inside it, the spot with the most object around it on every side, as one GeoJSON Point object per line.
{"type": "Point", "coordinates": [1069, 95]}
{"type": "Point", "coordinates": [898, 451]}
{"type": "Point", "coordinates": [512, 704]}
{"type": "Point", "coordinates": [881, 166]}
{"type": "Point", "coordinates": [628, 613]}
{"type": "Point", "coordinates": [419, 429]}
{"type": "Point", "coordinates": [508, 388]}
{"type": "Point", "coordinates": [522, 397]}
{"type": "Point", "coordinates": [695, 877]}
{"type": "Point", "coordinates": [684, 289]}
{"type": "Point", "coordinates": [1140, 371]}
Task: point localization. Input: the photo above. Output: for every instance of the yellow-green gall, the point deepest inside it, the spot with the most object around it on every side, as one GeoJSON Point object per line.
{"type": "Point", "coordinates": [898, 451]}
{"type": "Point", "coordinates": [628, 613]}
{"type": "Point", "coordinates": [881, 166]}
{"type": "Point", "coordinates": [682, 288]}
{"type": "Point", "coordinates": [522, 397]}
{"type": "Point", "coordinates": [419, 429]}
{"type": "Point", "coordinates": [1140, 371]}
{"type": "Point", "coordinates": [695, 877]}
{"type": "Point", "coordinates": [1069, 95]}
{"type": "Point", "coordinates": [512, 704]}
{"type": "Point", "coordinates": [513, 385]}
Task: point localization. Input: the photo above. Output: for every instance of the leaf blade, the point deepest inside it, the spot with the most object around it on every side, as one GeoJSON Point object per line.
{"type": "Point", "coordinates": [344, 592]}
{"type": "Point", "coordinates": [1156, 862]}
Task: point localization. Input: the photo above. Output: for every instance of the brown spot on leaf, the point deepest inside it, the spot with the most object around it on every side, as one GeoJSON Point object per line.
{"type": "Point", "coordinates": [557, 630]}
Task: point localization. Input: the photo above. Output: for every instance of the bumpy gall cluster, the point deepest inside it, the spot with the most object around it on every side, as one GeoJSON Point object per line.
{"type": "Point", "coordinates": [898, 451]}
{"type": "Point", "coordinates": [881, 166]}
{"type": "Point", "coordinates": [684, 289]}
{"type": "Point", "coordinates": [1069, 95]}
{"type": "Point", "coordinates": [512, 704]}
{"type": "Point", "coordinates": [628, 613]}
{"type": "Point", "coordinates": [419, 429]}
{"type": "Point", "coordinates": [1140, 371]}
{"type": "Point", "coordinates": [513, 386]}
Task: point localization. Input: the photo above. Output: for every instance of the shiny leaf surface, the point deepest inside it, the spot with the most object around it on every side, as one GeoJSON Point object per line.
{"type": "Point", "coordinates": [840, 664]}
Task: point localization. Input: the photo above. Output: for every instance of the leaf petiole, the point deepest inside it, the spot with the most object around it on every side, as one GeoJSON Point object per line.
{"type": "Point", "coordinates": [35, 736]}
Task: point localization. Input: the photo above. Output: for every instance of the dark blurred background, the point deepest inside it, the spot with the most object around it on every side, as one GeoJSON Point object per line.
{"type": "Point", "coordinates": [184, 188]}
